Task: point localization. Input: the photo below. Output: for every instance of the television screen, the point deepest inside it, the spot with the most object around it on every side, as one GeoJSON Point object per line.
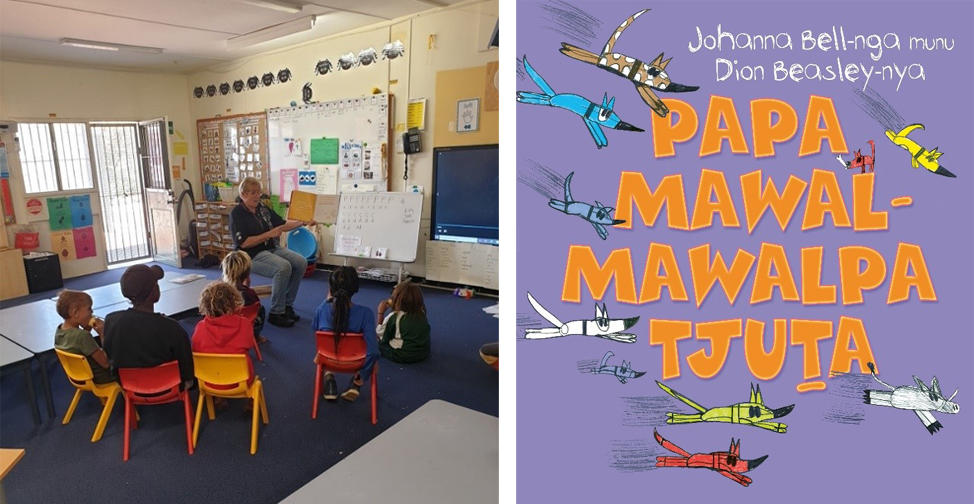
{"type": "Point", "coordinates": [465, 194]}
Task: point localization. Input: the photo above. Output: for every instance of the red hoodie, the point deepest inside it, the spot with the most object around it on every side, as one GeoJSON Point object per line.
{"type": "Point", "coordinates": [227, 334]}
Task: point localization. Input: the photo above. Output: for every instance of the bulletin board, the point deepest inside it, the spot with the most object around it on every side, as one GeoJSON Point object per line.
{"type": "Point", "coordinates": [231, 148]}
{"type": "Point", "coordinates": [333, 147]}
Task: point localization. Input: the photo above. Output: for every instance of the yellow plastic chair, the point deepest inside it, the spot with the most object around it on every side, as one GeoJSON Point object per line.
{"type": "Point", "coordinates": [80, 375]}
{"type": "Point", "coordinates": [227, 370]}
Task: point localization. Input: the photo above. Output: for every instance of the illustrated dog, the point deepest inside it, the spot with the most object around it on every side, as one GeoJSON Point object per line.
{"type": "Point", "coordinates": [860, 161]}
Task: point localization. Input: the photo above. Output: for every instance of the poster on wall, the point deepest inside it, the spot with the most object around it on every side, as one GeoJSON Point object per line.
{"type": "Point", "coordinates": [84, 242]}
{"type": "Point", "coordinates": [288, 183]}
{"type": "Point", "coordinates": [326, 179]}
{"type": "Point", "coordinates": [62, 243]}
{"type": "Point", "coordinates": [776, 286]}
{"type": "Point", "coordinates": [468, 115]}
{"type": "Point", "coordinates": [81, 210]}
{"type": "Point", "coordinates": [59, 213]}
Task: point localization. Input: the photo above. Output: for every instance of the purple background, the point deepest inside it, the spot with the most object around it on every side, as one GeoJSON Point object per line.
{"type": "Point", "coordinates": [569, 422]}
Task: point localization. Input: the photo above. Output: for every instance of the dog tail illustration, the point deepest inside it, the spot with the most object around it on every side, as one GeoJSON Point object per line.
{"type": "Point", "coordinates": [533, 98]}
{"type": "Point", "coordinates": [615, 35]}
{"type": "Point", "coordinates": [562, 206]}
{"type": "Point", "coordinates": [537, 78]}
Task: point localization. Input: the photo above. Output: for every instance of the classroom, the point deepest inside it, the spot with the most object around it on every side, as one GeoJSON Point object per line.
{"type": "Point", "coordinates": [268, 178]}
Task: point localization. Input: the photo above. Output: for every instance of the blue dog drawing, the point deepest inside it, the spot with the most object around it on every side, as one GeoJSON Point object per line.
{"type": "Point", "coordinates": [598, 215]}
{"type": "Point", "coordinates": [595, 116]}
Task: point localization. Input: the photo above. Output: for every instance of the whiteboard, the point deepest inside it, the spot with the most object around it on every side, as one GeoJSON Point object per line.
{"type": "Point", "coordinates": [361, 126]}
{"type": "Point", "coordinates": [378, 225]}
{"type": "Point", "coordinates": [470, 264]}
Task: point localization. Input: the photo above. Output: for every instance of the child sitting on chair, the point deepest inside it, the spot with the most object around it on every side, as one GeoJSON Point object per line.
{"type": "Point", "coordinates": [223, 329]}
{"type": "Point", "coordinates": [236, 272]}
{"type": "Point", "coordinates": [339, 315]}
{"type": "Point", "coordinates": [74, 335]}
{"type": "Point", "coordinates": [404, 335]}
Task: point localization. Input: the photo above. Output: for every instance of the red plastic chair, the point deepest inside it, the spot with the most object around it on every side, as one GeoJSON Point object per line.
{"type": "Point", "coordinates": [155, 385]}
{"type": "Point", "coordinates": [250, 313]}
{"type": "Point", "coordinates": [348, 359]}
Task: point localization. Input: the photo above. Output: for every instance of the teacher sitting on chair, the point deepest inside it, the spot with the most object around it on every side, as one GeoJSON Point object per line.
{"type": "Point", "coordinates": [256, 230]}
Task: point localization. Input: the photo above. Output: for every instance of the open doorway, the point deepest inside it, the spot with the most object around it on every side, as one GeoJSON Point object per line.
{"type": "Point", "coordinates": [135, 187]}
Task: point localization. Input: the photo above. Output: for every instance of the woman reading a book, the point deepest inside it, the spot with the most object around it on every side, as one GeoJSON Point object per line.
{"type": "Point", "coordinates": [256, 230]}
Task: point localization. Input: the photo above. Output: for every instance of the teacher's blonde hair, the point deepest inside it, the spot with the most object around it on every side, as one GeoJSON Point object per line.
{"type": "Point", "coordinates": [248, 183]}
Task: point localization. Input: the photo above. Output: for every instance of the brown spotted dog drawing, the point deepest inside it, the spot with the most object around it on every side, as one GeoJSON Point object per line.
{"type": "Point", "coordinates": [647, 77]}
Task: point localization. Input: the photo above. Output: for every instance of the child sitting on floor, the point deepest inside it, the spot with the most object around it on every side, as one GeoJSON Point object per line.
{"type": "Point", "coordinates": [223, 329]}
{"type": "Point", "coordinates": [404, 336]}
{"type": "Point", "coordinates": [74, 335]}
{"type": "Point", "coordinates": [236, 272]}
{"type": "Point", "coordinates": [339, 315]}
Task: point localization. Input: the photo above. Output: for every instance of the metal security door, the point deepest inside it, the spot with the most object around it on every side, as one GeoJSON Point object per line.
{"type": "Point", "coordinates": [115, 149]}
{"type": "Point", "coordinates": [154, 152]}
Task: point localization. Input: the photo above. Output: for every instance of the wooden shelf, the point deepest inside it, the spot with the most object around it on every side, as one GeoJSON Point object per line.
{"type": "Point", "coordinates": [213, 228]}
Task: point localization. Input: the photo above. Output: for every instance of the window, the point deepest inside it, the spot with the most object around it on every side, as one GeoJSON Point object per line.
{"type": "Point", "coordinates": [54, 157]}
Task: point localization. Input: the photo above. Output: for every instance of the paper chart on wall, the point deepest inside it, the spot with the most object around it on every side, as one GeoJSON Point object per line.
{"type": "Point", "coordinates": [84, 242]}
{"type": "Point", "coordinates": [59, 213]}
{"type": "Point", "coordinates": [81, 210]}
{"type": "Point", "coordinates": [62, 243]}
{"type": "Point", "coordinates": [326, 179]}
{"type": "Point", "coordinates": [288, 183]}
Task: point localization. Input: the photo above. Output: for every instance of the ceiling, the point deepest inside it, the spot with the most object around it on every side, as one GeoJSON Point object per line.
{"type": "Point", "coordinates": [192, 33]}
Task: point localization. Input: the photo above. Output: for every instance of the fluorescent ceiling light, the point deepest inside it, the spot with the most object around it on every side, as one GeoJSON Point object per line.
{"type": "Point", "coordinates": [274, 5]}
{"type": "Point", "coordinates": [270, 33]}
{"type": "Point", "coordinates": [109, 46]}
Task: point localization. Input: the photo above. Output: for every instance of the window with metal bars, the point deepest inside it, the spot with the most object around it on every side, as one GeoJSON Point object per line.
{"type": "Point", "coordinates": [55, 157]}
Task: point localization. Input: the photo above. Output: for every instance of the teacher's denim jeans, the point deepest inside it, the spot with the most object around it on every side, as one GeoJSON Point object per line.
{"type": "Point", "coordinates": [286, 268]}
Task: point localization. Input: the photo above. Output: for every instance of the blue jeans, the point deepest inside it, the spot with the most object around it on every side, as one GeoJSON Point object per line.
{"type": "Point", "coordinates": [286, 268]}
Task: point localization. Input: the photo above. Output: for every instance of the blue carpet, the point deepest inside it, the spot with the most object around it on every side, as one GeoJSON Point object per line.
{"type": "Point", "coordinates": [62, 465]}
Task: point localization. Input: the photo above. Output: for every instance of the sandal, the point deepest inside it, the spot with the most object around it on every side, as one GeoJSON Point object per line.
{"type": "Point", "coordinates": [331, 388]}
{"type": "Point", "coordinates": [261, 340]}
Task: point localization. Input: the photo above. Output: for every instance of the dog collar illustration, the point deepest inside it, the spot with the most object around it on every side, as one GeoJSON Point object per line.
{"type": "Point", "coordinates": [647, 77]}
{"type": "Point", "coordinates": [753, 412]}
{"type": "Point", "coordinates": [601, 327]}
{"type": "Point", "coordinates": [623, 373]}
{"type": "Point", "coordinates": [728, 463]}
{"type": "Point", "coordinates": [921, 399]}
{"type": "Point", "coordinates": [599, 216]}
{"type": "Point", "coordinates": [593, 115]}
{"type": "Point", "coordinates": [921, 156]}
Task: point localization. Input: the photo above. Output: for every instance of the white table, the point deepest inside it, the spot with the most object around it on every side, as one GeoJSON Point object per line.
{"type": "Point", "coordinates": [33, 325]}
{"type": "Point", "coordinates": [173, 300]}
{"type": "Point", "coordinates": [12, 353]}
{"type": "Point", "coordinates": [439, 453]}
{"type": "Point", "coordinates": [108, 295]}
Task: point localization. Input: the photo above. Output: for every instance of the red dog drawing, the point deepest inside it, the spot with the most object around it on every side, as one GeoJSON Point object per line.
{"type": "Point", "coordinates": [860, 161]}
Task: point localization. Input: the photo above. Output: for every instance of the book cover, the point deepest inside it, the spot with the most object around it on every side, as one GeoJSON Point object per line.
{"type": "Point", "coordinates": [744, 251]}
